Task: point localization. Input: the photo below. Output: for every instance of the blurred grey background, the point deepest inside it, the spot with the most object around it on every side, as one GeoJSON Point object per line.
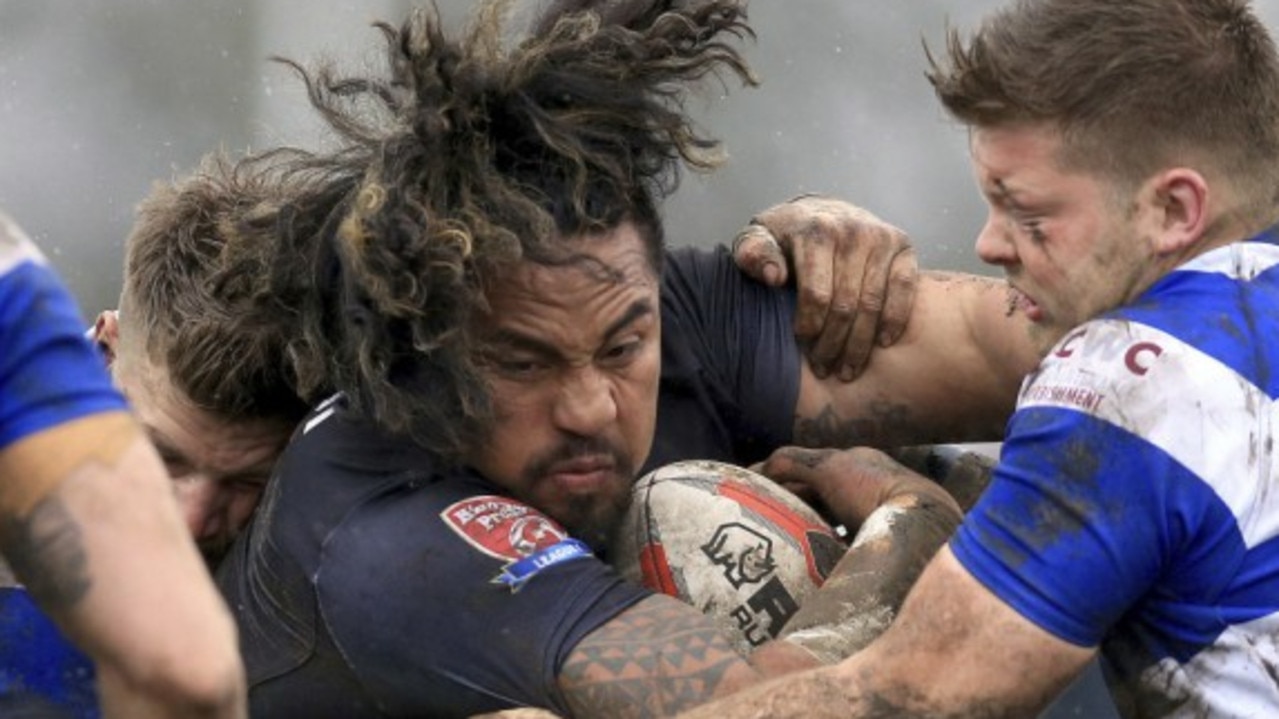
{"type": "Point", "coordinates": [99, 98]}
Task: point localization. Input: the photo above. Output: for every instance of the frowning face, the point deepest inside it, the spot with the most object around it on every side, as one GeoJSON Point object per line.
{"type": "Point", "coordinates": [572, 355]}
{"type": "Point", "coordinates": [1068, 241]}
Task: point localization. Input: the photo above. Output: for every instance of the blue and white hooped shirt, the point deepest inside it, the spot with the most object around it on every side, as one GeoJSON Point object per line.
{"type": "Point", "coordinates": [1136, 501]}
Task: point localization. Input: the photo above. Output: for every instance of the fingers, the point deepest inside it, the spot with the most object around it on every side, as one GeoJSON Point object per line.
{"type": "Point", "coordinates": [849, 268]}
{"type": "Point", "coordinates": [813, 254]}
{"type": "Point", "coordinates": [758, 254]}
{"type": "Point", "coordinates": [846, 340]}
{"type": "Point", "coordinates": [899, 296]}
{"type": "Point", "coordinates": [849, 483]}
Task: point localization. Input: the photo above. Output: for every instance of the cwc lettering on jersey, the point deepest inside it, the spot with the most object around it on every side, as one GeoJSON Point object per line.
{"type": "Point", "coordinates": [501, 527]}
{"type": "Point", "coordinates": [1068, 377]}
{"type": "Point", "coordinates": [1120, 342]}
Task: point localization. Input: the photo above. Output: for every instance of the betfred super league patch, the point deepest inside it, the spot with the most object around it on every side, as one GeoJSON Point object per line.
{"type": "Point", "coordinates": [527, 540]}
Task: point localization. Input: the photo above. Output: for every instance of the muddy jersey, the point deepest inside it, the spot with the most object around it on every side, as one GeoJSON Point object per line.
{"type": "Point", "coordinates": [49, 375]}
{"type": "Point", "coordinates": [370, 584]}
{"type": "Point", "coordinates": [1136, 501]}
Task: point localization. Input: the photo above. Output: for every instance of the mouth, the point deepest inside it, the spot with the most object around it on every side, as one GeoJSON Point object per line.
{"type": "Point", "coordinates": [1020, 301]}
{"type": "Point", "coordinates": [585, 475]}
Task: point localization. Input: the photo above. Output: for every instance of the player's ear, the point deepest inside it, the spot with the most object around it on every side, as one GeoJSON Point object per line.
{"type": "Point", "coordinates": [1180, 198]}
{"type": "Point", "coordinates": [106, 334]}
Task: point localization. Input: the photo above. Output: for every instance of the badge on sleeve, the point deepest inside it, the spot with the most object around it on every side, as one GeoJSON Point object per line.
{"type": "Point", "coordinates": [524, 538]}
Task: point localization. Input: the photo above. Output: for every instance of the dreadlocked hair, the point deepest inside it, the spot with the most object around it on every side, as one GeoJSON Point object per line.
{"type": "Point", "coordinates": [482, 153]}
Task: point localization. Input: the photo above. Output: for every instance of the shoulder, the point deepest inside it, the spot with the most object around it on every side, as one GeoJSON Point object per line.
{"type": "Point", "coordinates": [1105, 365]}
{"type": "Point", "coordinates": [15, 246]}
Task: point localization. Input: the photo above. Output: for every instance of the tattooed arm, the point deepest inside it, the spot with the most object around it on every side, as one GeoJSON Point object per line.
{"type": "Point", "coordinates": [88, 523]}
{"type": "Point", "coordinates": [663, 656]}
{"type": "Point", "coordinates": [952, 377]}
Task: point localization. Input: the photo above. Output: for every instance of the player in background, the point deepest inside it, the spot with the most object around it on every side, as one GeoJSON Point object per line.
{"type": "Point", "coordinates": [87, 518]}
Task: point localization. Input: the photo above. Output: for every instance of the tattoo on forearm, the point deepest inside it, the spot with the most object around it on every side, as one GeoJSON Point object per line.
{"type": "Point", "coordinates": [653, 660]}
{"type": "Point", "coordinates": [882, 424]}
{"type": "Point", "coordinates": [46, 551]}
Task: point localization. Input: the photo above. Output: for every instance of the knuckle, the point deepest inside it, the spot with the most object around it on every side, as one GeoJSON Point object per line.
{"type": "Point", "coordinates": [815, 295]}
{"type": "Point", "coordinates": [871, 300]}
{"type": "Point", "coordinates": [820, 229]}
{"type": "Point", "coordinates": [844, 310]}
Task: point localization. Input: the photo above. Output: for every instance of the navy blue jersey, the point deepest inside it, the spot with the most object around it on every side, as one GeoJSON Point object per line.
{"type": "Point", "coordinates": [370, 584]}
{"type": "Point", "coordinates": [1136, 501]}
{"type": "Point", "coordinates": [730, 364]}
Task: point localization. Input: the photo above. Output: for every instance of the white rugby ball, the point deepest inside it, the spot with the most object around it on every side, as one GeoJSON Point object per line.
{"type": "Point", "coordinates": [733, 543]}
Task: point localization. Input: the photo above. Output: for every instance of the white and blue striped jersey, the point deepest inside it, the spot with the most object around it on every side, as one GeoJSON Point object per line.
{"type": "Point", "coordinates": [49, 373]}
{"type": "Point", "coordinates": [1136, 502]}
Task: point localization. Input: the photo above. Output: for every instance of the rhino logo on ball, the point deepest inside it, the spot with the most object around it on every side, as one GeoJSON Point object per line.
{"type": "Point", "coordinates": [745, 554]}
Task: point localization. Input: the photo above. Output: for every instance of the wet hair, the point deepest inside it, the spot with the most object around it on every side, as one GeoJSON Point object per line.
{"type": "Point", "coordinates": [188, 292]}
{"type": "Point", "coordinates": [1133, 86]}
{"type": "Point", "coordinates": [478, 153]}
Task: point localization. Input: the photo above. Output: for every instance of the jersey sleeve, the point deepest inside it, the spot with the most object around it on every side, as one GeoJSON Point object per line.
{"type": "Point", "coordinates": [477, 614]}
{"type": "Point", "coordinates": [1088, 509]}
{"type": "Point", "coordinates": [738, 337]}
{"type": "Point", "coordinates": [49, 372]}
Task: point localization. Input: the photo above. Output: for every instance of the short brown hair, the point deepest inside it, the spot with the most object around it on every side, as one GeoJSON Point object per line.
{"type": "Point", "coordinates": [1133, 86]}
{"type": "Point", "coordinates": [197, 320]}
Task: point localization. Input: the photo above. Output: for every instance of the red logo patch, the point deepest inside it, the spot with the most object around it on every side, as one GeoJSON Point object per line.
{"type": "Point", "coordinates": [502, 528]}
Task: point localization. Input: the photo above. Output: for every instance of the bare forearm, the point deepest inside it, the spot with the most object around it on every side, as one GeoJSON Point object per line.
{"type": "Point", "coordinates": [953, 376]}
{"type": "Point", "coordinates": [814, 694]}
{"type": "Point", "coordinates": [866, 589]}
{"type": "Point", "coordinates": [103, 550]}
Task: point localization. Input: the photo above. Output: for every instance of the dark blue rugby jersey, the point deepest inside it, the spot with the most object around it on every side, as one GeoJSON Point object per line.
{"type": "Point", "coordinates": [369, 584]}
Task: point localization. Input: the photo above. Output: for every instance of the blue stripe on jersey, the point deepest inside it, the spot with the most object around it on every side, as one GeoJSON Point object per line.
{"type": "Point", "coordinates": [1061, 539]}
{"type": "Point", "coordinates": [1255, 586]}
{"type": "Point", "coordinates": [1219, 319]}
{"type": "Point", "coordinates": [40, 671]}
{"type": "Point", "coordinates": [49, 373]}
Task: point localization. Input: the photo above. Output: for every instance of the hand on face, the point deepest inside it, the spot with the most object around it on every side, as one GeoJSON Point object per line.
{"type": "Point", "coordinates": [856, 277]}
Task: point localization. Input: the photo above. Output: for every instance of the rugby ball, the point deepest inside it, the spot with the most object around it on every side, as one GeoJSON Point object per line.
{"type": "Point", "coordinates": [733, 543]}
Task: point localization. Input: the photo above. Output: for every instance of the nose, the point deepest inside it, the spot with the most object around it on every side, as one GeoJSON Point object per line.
{"type": "Point", "coordinates": [586, 404]}
{"type": "Point", "coordinates": [203, 505]}
{"type": "Point", "coordinates": [994, 246]}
